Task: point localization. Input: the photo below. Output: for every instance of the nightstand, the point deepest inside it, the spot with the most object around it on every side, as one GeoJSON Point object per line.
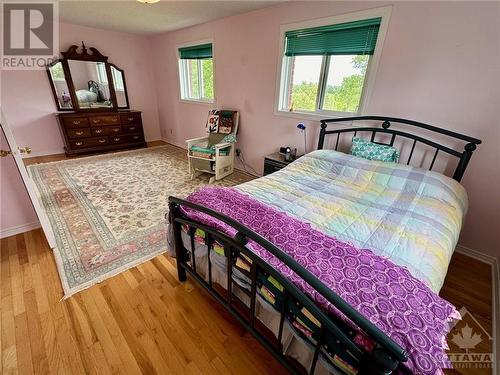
{"type": "Point", "coordinates": [275, 162]}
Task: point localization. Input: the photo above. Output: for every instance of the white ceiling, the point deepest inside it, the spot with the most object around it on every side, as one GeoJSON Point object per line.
{"type": "Point", "coordinates": [134, 17]}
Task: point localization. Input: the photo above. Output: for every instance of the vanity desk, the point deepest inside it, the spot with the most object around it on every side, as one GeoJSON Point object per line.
{"type": "Point", "coordinates": [91, 96]}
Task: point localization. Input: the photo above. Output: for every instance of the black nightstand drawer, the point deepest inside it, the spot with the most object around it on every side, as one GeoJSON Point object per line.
{"type": "Point", "coordinates": [274, 162]}
{"type": "Point", "coordinates": [270, 167]}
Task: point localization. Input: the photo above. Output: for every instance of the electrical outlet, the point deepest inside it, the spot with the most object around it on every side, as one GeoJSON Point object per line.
{"type": "Point", "coordinates": [238, 152]}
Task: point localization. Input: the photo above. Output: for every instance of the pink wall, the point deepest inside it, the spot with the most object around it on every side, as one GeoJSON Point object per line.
{"type": "Point", "coordinates": [15, 207]}
{"type": "Point", "coordinates": [440, 63]}
{"type": "Point", "coordinates": [29, 106]}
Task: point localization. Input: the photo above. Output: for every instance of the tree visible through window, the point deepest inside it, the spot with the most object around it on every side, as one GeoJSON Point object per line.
{"type": "Point", "coordinates": [198, 76]}
{"type": "Point", "coordinates": [344, 83]}
{"type": "Point", "coordinates": [196, 73]}
{"type": "Point", "coordinates": [325, 67]}
{"type": "Point", "coordinates": [57, 71]}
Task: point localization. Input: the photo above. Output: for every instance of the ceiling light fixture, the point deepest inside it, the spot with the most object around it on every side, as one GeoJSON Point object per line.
{"type": "Point", "coordinates": [148, 1]}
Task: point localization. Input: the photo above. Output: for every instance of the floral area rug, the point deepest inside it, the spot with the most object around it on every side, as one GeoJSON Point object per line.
{"type": "Point", "coordinates": [108, 211]}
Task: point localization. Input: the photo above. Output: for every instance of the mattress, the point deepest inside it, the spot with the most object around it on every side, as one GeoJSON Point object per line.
{"type": "Point", "coordinates": [410, 215]}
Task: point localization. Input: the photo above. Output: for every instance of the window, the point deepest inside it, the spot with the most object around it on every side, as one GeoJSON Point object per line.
{"type": "Point", "coordinates": [101, 73]}
{"type": "Point", "coordinates": [196, 73]}
{"type": "Point", "coordinates": [117, 79]}
{"type": "Point", "coordinates": [57, 72]}
{"type": "Point", "coordinates": [325, 69]}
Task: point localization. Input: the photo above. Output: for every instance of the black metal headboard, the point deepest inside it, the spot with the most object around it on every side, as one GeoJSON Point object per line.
{"type": "Point", "coordinates": [463, 155]}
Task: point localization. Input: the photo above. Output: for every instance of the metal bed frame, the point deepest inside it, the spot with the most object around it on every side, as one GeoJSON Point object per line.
{"type": "Point", "coordinates": [387, 354]}
{"type": "Point", "coordinates": [463, 156]}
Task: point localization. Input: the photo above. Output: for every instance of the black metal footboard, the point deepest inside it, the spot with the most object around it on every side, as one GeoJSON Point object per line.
{"type": "Point", "coordinates": [331, 340]}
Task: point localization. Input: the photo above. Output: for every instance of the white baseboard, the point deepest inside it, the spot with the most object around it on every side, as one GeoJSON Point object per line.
{"type": "Point", "coordinates": [178, 144]}
{"type": "Point", "coordinates": [35, 154]}
{"type": "Point", "coordinates": [58, 151]}
{"type": "Point", "coordinates": [12, 231]}
{"type": "Point", "coordinates": [485, 258]}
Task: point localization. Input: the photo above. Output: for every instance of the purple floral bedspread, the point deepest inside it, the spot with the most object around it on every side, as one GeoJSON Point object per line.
{"type": "Point", "coordinates": [385, 293]}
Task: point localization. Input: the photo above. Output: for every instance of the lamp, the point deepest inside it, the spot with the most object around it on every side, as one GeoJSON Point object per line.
{"type": "Point", "coordinates": [302, 129]}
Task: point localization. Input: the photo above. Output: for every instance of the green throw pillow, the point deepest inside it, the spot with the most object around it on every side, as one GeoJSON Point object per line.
{"type": "Point", "coordinates": [373, 151]}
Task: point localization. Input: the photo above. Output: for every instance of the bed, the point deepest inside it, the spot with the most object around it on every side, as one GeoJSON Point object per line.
{"type": "Point", "coordinates": [303, 257]}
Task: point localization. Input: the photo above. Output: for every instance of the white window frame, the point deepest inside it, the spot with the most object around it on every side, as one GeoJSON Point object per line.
{"type": "Point", "coordinates": [284, 64]}
{"type": "Point", "coordinates": [114, 73]}
{"type": "Point", "coordinates": [102, 74]}
{"type": "Point", "coordinates": [183, 77]}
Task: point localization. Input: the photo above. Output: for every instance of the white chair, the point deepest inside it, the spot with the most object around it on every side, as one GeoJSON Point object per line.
{"type": "Point", "coordinates": [214, 153]}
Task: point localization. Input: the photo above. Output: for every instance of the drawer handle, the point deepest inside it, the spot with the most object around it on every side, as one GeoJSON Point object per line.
{"type": "Point", "coordinates": [79, 133]}
{"type": "Point", "coordinates": [96, 121]}
{"type": "Point", "coordinates": [116, 129]}
{"type": "Point", "coordinates": [76, 122]}
{"type": "Point", "coordinates": [98, 131]}
{"type": "Point", "coordinates": [132, 128]}
{"type": "Point", "coordinates": [130, 119]}
{"type": "Point", "coordinates": [116, 139]}
{"type": "Point", "coordinates": [78, 143]}
{"type": "Point", "coordinates": [102, 141]}
{"type": "Point", "coordinates": [114, 119]}
{"type": "Point", "coordinates": [136, 137]}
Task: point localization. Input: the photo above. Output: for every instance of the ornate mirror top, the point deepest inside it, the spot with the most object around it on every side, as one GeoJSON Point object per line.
{"type": "Point", "coordinates": [73, 54]}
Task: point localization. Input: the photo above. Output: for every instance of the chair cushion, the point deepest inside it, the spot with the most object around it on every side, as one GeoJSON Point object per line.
{"type": "Point", "coordinates": [214, 139]}
{"type": "Point", "coordinates": [207, 152]}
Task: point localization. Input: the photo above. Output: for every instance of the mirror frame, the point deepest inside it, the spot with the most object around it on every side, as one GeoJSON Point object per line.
{"type": "Point", "coordinates": [124, 86]}
{"type": "Point", "coordinates": [90, 54]}
{"type": "Point", "coordinates": [53, 87]}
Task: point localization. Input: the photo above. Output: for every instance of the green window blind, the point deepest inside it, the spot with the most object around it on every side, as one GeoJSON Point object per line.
{"type": "Point", "coordinates": [203, 51]}
{"type": "Point", "coordinates": [350, 38]}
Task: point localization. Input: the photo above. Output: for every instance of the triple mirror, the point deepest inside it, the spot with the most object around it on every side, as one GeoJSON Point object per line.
{"type": "Point", "coordinates": [84, 80]}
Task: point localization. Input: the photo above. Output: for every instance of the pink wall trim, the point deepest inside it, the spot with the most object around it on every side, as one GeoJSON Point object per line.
{"type": "Point", "coordinates": [440, 64]}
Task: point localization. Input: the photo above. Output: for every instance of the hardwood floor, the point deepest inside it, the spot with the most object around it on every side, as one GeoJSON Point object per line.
{"type": "Point", "coordinates": [57, 157]}
{"type": "Point", "coordinates": [469, 284]}
{"type": "Point", "coordinates": [144, 321]}
{"type": "Point", "coordinates": [141, 321]}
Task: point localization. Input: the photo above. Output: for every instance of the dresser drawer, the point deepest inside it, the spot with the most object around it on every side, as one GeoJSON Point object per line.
{"type": "Point", "coordinates": [133, 128]}
{"type": "Point", "coordinates": [130, 138]}
{"type": "Point", "coordinates": [79, 133]}
{"type": "Point", "coordinates": [106, 130]}
{"type": "Point", "coordinates": [118, 139]}
{"type": "Point", "coordinates": [131, 118]}
{"type": "Point", "coordinates": [105, 120]}
{"type": "Point", "coordinates": [89, 142]}
{"type": "Point", "coordinates": [76, 122]}
{"type": "Point", "coordinates": [134, 138]}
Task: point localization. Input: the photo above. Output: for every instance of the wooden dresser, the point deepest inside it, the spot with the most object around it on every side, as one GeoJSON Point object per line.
{"type": "Point", "coordinates": [101, 131]}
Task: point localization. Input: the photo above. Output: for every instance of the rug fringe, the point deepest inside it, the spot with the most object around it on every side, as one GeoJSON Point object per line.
{"type": "Point", "coordinates": [69, 292]}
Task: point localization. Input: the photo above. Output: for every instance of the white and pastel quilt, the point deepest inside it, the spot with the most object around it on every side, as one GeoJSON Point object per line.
{"type": "Point", "coordinates": [407, 214]}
